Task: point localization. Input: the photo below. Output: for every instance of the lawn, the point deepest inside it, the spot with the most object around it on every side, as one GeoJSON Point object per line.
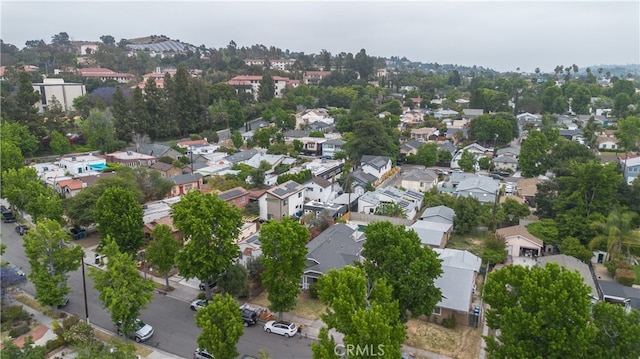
{"type": "Point", "coordinates": [306, 307]}
{"type": "Point", "coordinates": [462, 342]}
{"type": "Point", "coordinates": [472, 244]}
{"type": "Point", "coordinates": [636, 270]}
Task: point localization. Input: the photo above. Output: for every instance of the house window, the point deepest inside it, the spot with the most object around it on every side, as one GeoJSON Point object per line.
{"type": "Point", "coordinates": [242, 199]}
{"type": "Point", "coordinates": [437, 311]}
{"type": "Point", "coordinates": [320, 190]}
{"type": "Point", "coordinates": [269, 216]}
{"type": "Point", "coordinates": [299, 194]}
{"type": "Point", "coordinates": [285, 202]}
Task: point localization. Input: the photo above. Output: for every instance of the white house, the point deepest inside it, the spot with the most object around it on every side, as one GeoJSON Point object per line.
{"type": "Point", "coordinates": [331, 147]}
{"type": "Point", "coordinates": [319, 189]}
{"type": "Point", "coordinates": [81, 164]}
{"type": "Point", "coordinates": [63, 93]}
{"type": "Point", "coordinates": [506, 163]}
{"type": "Point", "coordinates": [421, 180]}
{"type": "Point", "coordinates": [376, 166]}
{"type": "Point", "coordinates": [286, 199]}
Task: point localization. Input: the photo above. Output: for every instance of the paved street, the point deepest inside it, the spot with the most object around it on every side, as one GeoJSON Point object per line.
{"type": "Point", "coordinates": [172, 319]}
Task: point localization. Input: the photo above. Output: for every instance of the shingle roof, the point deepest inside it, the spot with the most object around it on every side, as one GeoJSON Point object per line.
{"type": "Point", "coordinates": [572, 264]}
{"type": "Point", "coordinates": [286, 189]}
{"type": "Point", "coordinates": [376, 162]}
{"type": "Point", "coordinates": [321, 182]}
{"type": "Point", "coordinates": [186, 178]}
{"type": "Point", "coordinates": [458, 258]}
{"type": "Point", "coordinates": [334, 248]}
{"type": "Point", "coordinates": [483, 183]}
{"type": "Point", "coordinates": [439, 211]}
{"type": "Point", "coordinates": [161, 166]}
{"type": "Point", "coordinates": [241, 156]}
{"type": "Point", "coordinates": [420, 175]}
{"type": "Point", "coordinates": [519, 231]}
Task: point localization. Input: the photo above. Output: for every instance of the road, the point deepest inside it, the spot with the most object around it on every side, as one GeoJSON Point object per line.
{"type": "Point", "coordinates": [172, 319]}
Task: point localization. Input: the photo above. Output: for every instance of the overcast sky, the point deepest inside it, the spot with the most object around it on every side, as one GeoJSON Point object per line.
{"type": "Point", "coordinates": [503, 35]}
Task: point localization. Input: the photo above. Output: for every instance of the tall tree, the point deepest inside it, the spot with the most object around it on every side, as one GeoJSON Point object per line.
{"type": "Point", "coordinates": [285, 253]}
{"type": "Point", "coordinates": [10, 157]}
{"type": "Point", "coordinates": [617, 331]}
{"type": "Point", "coordinates": [26, 111]}
{"type": "Point", "coordinates": [123, 292]}
{"type": "Point", "coordinates": [267, 88]}
{"type": "Point", "coordinates": [628, 135]}
{"type": "Point", "coordinates": [59, 143]}
{"type": "Point", "coordinates": [24, 190]}
{"type": "Point", "coordinates": [234, 280]}
{"type": "Point", "coordinates": [541, 312]}
{"type": "Point", "coordinates": [185, 106]}
{"type": "Point", "coordinates": [533, 158]}
{"type": "Point", "coordinates": [467, 161]}
{"type": "Point", "coordinates": [364, 311]}
{"type": "Point", "coordinates": [51, 257]}
{"type": "Point", "coordinates": [119, 216]}
{"type": "Point", "coordinates": [370, 138]}
{"type": "Point", "coordinates": [13, 132]}
{"type": "Point", "coordinates": [210, 227]}
{"type": "Point", "coordinates": [100, 131]}
{"type": "Point", "coordinates": [161, 252]}
{"type": "Point", "coordinates": [394, 254]}
{"type": "Point", "coordinates": [427, 154]}
{"type": "Point", "coordinates": [221, 325]}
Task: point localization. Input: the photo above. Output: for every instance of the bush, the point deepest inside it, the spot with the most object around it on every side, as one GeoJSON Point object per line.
{"type": "Point", "coordinates": [202, 295]}
{"type": "Point", "coordinates": [625, 276]}
{"type": "Point", "coordinates": [611, 267]}
{"type": "Point", "coordinates": [11, 313]}
{"type": "Point", "coordinates": [18, 331]}
{"type": "Point", "coordinates": [449, 323]}
{"type": "Point", "coordinates": [53, 344]}
{"type": "Point", "coordinates": [313, 290]}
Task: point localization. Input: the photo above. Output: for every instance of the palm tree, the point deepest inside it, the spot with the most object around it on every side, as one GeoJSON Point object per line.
{"type": "Point", "coordinates": [617, 232]}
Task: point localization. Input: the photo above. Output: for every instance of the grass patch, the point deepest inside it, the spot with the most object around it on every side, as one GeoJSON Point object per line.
{"type": "Point", "coordinates": [105, 337]}
{"type": "Point", "coordinates": [462, 342]}
{"type": "Point", "coordinates": [472, 244]}
{"type": "Point", "coordinates": [20, 297]}
{"type": "Point", "coordinates": [306, 307]}
{"type": "Point", "coordinates": [636, 270]}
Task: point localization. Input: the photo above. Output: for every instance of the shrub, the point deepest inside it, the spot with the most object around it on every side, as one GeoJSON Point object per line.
{"type": "Point", "coordinates": [18, 331]}
{"type": "Point", "coordinates": [625, 276]}
{"type": "Point", "coordinates": [313, 290]}
{"type": "Point", "coordinates": [54, 344]}
{"type": "Point", "coordinates": [611, 267]}
{"type": "Point", "coordinates": [202, 295]}
{"type": "Point", "coordinates": [449, 323]}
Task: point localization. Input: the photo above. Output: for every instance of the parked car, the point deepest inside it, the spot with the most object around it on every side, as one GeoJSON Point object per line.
{"type": "Point", "coordinates": [249, 317]}
{"type": "Point", "coordinates": [21, 229]}
{"type": "Point", "coordinates": [281, 327]}
{"type": "Point", "coordinates": [65, 301]}
{"type": "Point", "coordinates": [198, 304]}
{"type": "Point", "coordinates": [202, 354]}
{"type": "Point", "coordinates": [9, 219]}
{"type": "Point", "coordinates": [141, 332]}
{"type": "Point", "coordinates": [17, 270]}
{"type": "Point", "coordinates": [203, 285]}
{"type": "Point", "coordinates": [497, 176]}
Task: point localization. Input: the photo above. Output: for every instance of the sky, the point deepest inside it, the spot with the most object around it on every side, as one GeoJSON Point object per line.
{"type": "Point", "coordinates": [503, 35]}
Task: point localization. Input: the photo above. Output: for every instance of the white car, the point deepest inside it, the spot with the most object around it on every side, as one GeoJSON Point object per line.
{"type": "Point", "coordinates": [142, 331]}
{"type": "Point", "coordinates": [198, 304]}
{"type": "Point", "coordinates": [282, 327]}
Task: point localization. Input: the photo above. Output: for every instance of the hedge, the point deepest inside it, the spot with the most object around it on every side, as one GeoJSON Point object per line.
{"type": "Point", "coordinates": [625, 276]}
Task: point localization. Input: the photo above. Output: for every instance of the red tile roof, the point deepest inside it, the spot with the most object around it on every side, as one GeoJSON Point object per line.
{"type": "Point", "coordinates": [73, 184]}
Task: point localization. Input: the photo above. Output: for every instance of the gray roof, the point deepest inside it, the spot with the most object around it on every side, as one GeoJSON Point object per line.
{"type": "Point", "coordinates": [513, 150]}
{"type": "Point", "coordinates": [321, 182]}
{"type": "Point", "coordinates": [615, 289]}
{"type": "Point", "coordinates": [335, 142]}
{"type": "Point", "coordinates": [452, 131]}
{"type": "Point", "coordinates": [505, 159]}
{"type": "Point", "coordinates": [438, 214]}
{"type": "Point", "coordinates": [447, 146]}
{"type": "Point", "coordinates": [161, 166]}
{"type": "Point", "coordinates": [473, 111]}
{"type": "Point", "coordinates": [430, 233]}
{"type": "Point", "coordinates": [482, 183]}
{"type": "Point", "coordinates": [186, 178]}
{"type": "Point", "coordinates": [334, 248]}
{"type": "Point", "coordinates": [458, 258]}
{"type": "Point", "coordinates": [164, 46]}
{"type": "Point", "coordinates": [376, 162]}
{"type": "Point", "coordinates": [456, 285]}
{"type": "Point", "coordinates": [241, 156]}
{"type": "Point", "coordinates": [414, 143]}
{"type": "Point", "coordinates": [573, 264]}
{"type": "Point", "coordinates": [421, 175]}
{"type": "Point", "coordinates": [296, 133]}
{"type": "Point", "coordinates": [286, 189]}
{"type": "Point", "coordinates": [154, 149]}
{"type": "Point", "coordinates": [232, 193]}
{"type": "Point", "coordinates": [362, 177]}
{"type": "Point", "coordinates": [565, 132]}
{"type": "Point", "coordinates": [318, 125]}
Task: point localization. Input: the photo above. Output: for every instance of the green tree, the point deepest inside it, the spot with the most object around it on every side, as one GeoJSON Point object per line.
{"type": "Point", "coordinates": [494, 250]}
{"type": "Point", "coordinates": [618, 232]}
{"type": "Point", "coordinates": [236, 138]}
{"type": "Point", "coordinates": [370, 138]}
{"type": "Point", "coordinates": [427, 154]}
{"type": "Point", "coordinates": [26, 111]}
{"type": "Point", "coordinates": [24, 190]}
{"type": "Point", "coordinates": [391, 209]}
{"type": "Point", "coordinates": [514, 210]}
{"type": "Point", "coordinates": [161, 252]}
{"type": "Point", "coordinates": [100, 131]}
{"type": "Point", "coordinates": [628, 135]}
{"type": "Point", "coordinates": [468, 211]}
{"type": "Point", "coordinates": [285, 253]}
{"type": "Point", "coordinates": [467, 161]}
{"type": "Point", "coordinates": [28, 350]}
{"type": "Point", "coordinates": [51, 257]}
{"type": "Point", "coordinates": [119, 216]}
{"type": "Point", "coordinates": [59, 143]}
{"type": "Point", "coordinates": [211, 228]}
{"type": "Point", "coordinates": [364, 312]}
{"type": "Point", "coordinates": [571, 246]}
{"type": "Point", "coordinates": [541, 312]}
{"type": "Point", "coordinates": [234, 280]}
{"type": "Point", "coordinates": [394, 254]}
{"type": "Point", "coordinates": [236, 116]}
{"type": "Point", "coordinates": [10, 157]}
{"type": "Point", "coordinates": [19, 135]}
{"type": "Point", "coordinates": [325, 347]}
{"type": "Point", "coordinates": [221, 325]}
{"type": "Point", "coordinates": [617, 331]}
{"type": "Point", "coordinates": [267, 88]}
{"type": "Point", "coordinates": [152, 184]}
{"type": "Point", "coordinates": [533, 154]}
{"type": "Point", "coordinates": [123, 292]}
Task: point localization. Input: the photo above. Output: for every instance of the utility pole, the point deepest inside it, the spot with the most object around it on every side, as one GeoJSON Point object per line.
{"type": "Point", "coordinates": [495, 209]}
{"type": "Point", "coordinates": [84, 287]}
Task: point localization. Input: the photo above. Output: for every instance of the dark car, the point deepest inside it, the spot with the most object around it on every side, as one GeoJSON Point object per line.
{"type": "Point", "coordinates": [203, 285]}
{"type": "Point", "coordinates": [497, 176]}
{"type": "Point", "coordinates": [11, 219]}
{"type": "Point", "coordinates": [249, 317]}
{"type": "Point", "coordinates": [21, 229]}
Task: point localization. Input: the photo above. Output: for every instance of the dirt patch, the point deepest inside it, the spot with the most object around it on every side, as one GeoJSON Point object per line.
{"type": "Point", "coordinates": [461, 342]}
{"type": "Point", "coordinates": [306, 307]}
{"type": "Point", "coordinates": [91, 240]}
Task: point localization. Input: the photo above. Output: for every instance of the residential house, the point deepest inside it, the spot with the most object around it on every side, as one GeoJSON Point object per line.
{"type": "Point", "coordinates": [471, 113]}
{"type": "Point", "coordinates": [256, 160]}
{"type": "Point", "coordinates": [251, 84]}
{"type": "Point", "coordinates": [237, 196]}
{"type": "Point", "coordinates": [442, 214]}
{"type": "Point", "coordinates": [573, 264]}
{"type": "Point", "coordinates": [509, 152]}
{"type": "Point", "coordinates": [520, 243]}
{"type": "Point", "coordinates": [321, 126]}
{"type": "Point", "coordinates": [331, 147]}
{"type": "Point", "coordinates": [377, 166]}
{"type": "Point", "coordinates": [158, 150]}
{"type": "Point", "coordinates": [286, 199]}
{"type": "Point", "coordinates": [445, 114]}
{"type": "Point", "coordinates": [319, 189]}
{"type": "Point", "coordinates": [131, 159]}
{"type": "Point", "coordinates": [412, 117]}
{"type": "Point", "coordinates": [312, 146]}
{"type": "Point", "coordinates": [631, 167]}
{"type": "Point", "coordinates": [185, 183]}
{"type": "Point", "coordinates": [608, 143]}
{"type": "Point", "coordinates": [410, 147]}
{"type": "Point", "coordinates": [166, 220]}
{"type": "Point", "coordinates": [506, 163]}
{"type": "Point", "coordinates": [616, 293]}
{"type": "Point", "coordinates": [69, 187]}
{"type": "Point", "coordinates": [456, 133]}
{"type": "Point", "coordinates": [457, 284]}
{"type": "Point", "coordinates": [335, 210]}
{"type": "Point", "coordinates": [421, 180]}
{"type": "Point", "coordinates": [475, 149]}
{"type": "Point", "coordinates": [250, 249]}
{"type": "Point", "coordinates": [527, 189]}
{"type": "Point", "coordinates": [483, 188]}
{"type": "Point", "coordinates": [410, 201]}
{"type": "Point", "coordinates": [572, 134]}
{"type": "Point", "coordinates": [432, 234]}
{"type": "Point", "coordinates": [368, 202]}
{"type": "Point", "coordinates": [424, 133]}
{"type": "Point", "coordinates": [241, 156]}
{"type": "Point", "coordinates": [81, 164]}
{"type": "Point", "coordinates": [337, 247]}
{"type": "Point", "coordinates": [307, 117]}
{"type": "Point", "coordinates": [166, 170]}
{"type": "Point", "coordinates": [63, 93]}
{"type": "Point", "coordinates": [314, 77]}
{"type": "Point", "coordinates": [105, 74]}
